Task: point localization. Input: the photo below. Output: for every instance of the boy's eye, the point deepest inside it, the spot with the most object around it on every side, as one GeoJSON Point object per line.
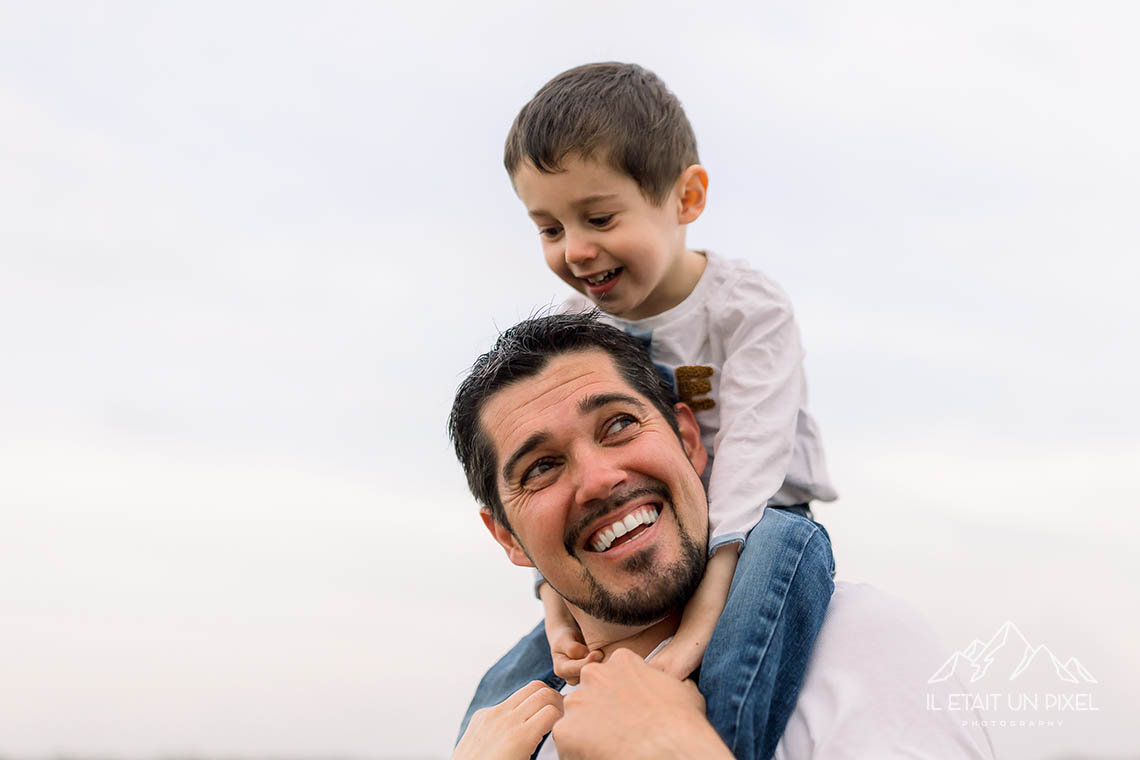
{"type": "Point", "coordinates": [550, 233]}
{"type": "Point", "coordinates": [601, 221]}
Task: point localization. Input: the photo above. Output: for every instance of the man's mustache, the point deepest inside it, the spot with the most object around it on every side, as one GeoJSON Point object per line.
{"type": "Point", "coordinates": [613, 503]}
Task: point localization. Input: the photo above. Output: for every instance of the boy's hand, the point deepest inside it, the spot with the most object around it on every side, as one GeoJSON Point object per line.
{"type": "Point", "coordinates": [513, 728]}
{"type": "Point", "coordinates": [568, 650]}
{"type": "Point", "coordinates": [679, 658]}
{"type": "Point", "coordinates": [569, 653]}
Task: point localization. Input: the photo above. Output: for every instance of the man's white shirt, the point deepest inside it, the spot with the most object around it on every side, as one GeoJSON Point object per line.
{"type": "Point", "coordinates": [865, 693]}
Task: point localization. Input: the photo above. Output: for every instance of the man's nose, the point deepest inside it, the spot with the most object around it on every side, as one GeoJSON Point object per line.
{"type": "Point", "coordinates": [580, 249]}
{"type": "Point", "coordinates": [596, 475]}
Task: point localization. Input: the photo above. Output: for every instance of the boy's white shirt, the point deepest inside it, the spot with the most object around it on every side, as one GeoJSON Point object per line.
{"type": "Point", "coordinates": [865, 693]}
{"type": "Point", "coordinates": [765, 447]}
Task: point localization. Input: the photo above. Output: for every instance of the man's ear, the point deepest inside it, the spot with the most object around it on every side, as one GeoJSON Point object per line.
{"type": "Point", "coordinates": [693, 189]}
{"type": "Point", "coordinates": [506, 539]}
{"type": "Point", "coordinates": [690, 431]}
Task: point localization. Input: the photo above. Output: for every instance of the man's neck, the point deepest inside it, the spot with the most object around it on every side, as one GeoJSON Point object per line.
{"type": "Point", "coordinates": [609, 637]}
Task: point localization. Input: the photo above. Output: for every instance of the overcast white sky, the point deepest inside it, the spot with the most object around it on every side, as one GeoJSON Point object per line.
{"type": "Point", "coordinates": [248, 249]}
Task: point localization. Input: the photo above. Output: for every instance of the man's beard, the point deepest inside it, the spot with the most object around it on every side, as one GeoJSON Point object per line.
{"type": "Point", "coordinates": [664, 589]}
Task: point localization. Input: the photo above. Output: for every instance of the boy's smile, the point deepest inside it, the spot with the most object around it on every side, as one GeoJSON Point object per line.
{"type": "Point", "coordinates": [607, 240]}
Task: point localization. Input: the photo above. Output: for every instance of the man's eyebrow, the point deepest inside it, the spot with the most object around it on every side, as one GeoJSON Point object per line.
{"type": "Point", "coordinates": [593, 403]}
{"type": "Point", "coordinates": [585, 406]}
{"type": "Point", "coordinates": [529, 445]}
{"type": "Point", "coordinates": [581, 203]}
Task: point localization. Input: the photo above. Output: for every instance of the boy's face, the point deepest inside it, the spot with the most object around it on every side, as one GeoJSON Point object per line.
{"type": "Point", "coordinates": [604, 238]}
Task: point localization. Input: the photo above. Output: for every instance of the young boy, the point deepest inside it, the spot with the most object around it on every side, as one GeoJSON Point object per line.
{"type": "Point", "coordinates": [606, 164]}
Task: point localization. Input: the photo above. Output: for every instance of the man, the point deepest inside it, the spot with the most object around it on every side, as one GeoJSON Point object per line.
{"type": "Point", "coordinates": [564, 429]}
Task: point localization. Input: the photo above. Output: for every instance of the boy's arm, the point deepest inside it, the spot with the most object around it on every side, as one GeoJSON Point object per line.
{"type": "Point", "coordinates": [761, 392]}
{"type": "Point", "coordinates": [568, 651]}
{"type": "Point", "coordinates": [681, 656]}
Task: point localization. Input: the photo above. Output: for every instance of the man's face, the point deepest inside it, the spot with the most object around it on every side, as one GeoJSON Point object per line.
{"type": "Point", "coordinates": [577, 451]}
{"type": "Point", "coordinates": [601, 235]}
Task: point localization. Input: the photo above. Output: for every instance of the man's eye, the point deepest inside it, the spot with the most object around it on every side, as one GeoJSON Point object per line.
{"type": "Point", "coordinates": [550, 233]}
{"type": "Point", "coordinates": [601, 221]}
{"type": "Point", "coordinates": [536, 470]}
{"type": "Point", "coordinates": [620, 423]}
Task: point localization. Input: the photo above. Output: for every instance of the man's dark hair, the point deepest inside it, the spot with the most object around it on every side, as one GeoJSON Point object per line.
{"type": "Point", "coordinates": [522, 352]}
{"type": "Point", "coordinates": [616, 112]}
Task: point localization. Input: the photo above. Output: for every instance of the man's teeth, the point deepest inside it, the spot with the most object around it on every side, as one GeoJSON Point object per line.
{"type": "Point", "coordinates": [643, 516]}
{"type": "Point", "coordinates": [598, 279]}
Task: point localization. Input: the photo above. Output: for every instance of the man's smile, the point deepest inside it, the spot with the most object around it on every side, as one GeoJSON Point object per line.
{"type": "Point", "coordinates": [625, 517]}
{"type": "Point", "coordinates": [622, 531]}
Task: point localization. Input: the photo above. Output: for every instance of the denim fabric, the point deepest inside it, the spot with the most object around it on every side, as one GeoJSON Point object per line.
{"type": "Point", "coordinates": [756, 659]}
{"type": "Point", "coordinates": [802, 510]}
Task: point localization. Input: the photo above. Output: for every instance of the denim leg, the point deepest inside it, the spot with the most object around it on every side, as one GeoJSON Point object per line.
{"type": "Point", "coordinates": [756, 659]}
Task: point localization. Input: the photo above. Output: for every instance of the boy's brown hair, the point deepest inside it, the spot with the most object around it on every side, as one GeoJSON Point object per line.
{"type": "Point", "coordinates": [619, 113]}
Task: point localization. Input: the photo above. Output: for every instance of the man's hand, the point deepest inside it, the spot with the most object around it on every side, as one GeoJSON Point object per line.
{"type": "Point", "coordinates": [511, 729]}
{"type": "Point", "coordinates": [626, 709]}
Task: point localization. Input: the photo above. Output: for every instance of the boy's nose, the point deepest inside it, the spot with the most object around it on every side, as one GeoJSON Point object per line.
{"type": "Point", "coordinates": [579, 249]}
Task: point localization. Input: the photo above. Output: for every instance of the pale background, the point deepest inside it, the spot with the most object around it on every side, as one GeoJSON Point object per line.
{"type": "Point", "coordinates": [248, 249]}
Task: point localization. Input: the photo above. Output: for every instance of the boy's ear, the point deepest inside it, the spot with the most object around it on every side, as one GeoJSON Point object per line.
{"type": "Point", "coordinates": [506, 539]}
{"type": "Point", "coordinates": [690, 431]}
{"type": "Point", "coordinates": [693, 189]}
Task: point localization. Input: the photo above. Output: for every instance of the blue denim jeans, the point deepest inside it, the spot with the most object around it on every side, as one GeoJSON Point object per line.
{"type": "Point", "coordinates": [755, 662]}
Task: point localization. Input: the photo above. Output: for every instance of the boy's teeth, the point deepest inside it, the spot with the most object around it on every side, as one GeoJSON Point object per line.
{"type": "Point", "coordinates": [606, 538]}
{"type": "Point", "coordinates": [598, 279]}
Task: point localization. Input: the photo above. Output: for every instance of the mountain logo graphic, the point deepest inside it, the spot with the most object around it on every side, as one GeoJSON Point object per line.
{"type": "Point", "coordinates": [1009, 654]}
